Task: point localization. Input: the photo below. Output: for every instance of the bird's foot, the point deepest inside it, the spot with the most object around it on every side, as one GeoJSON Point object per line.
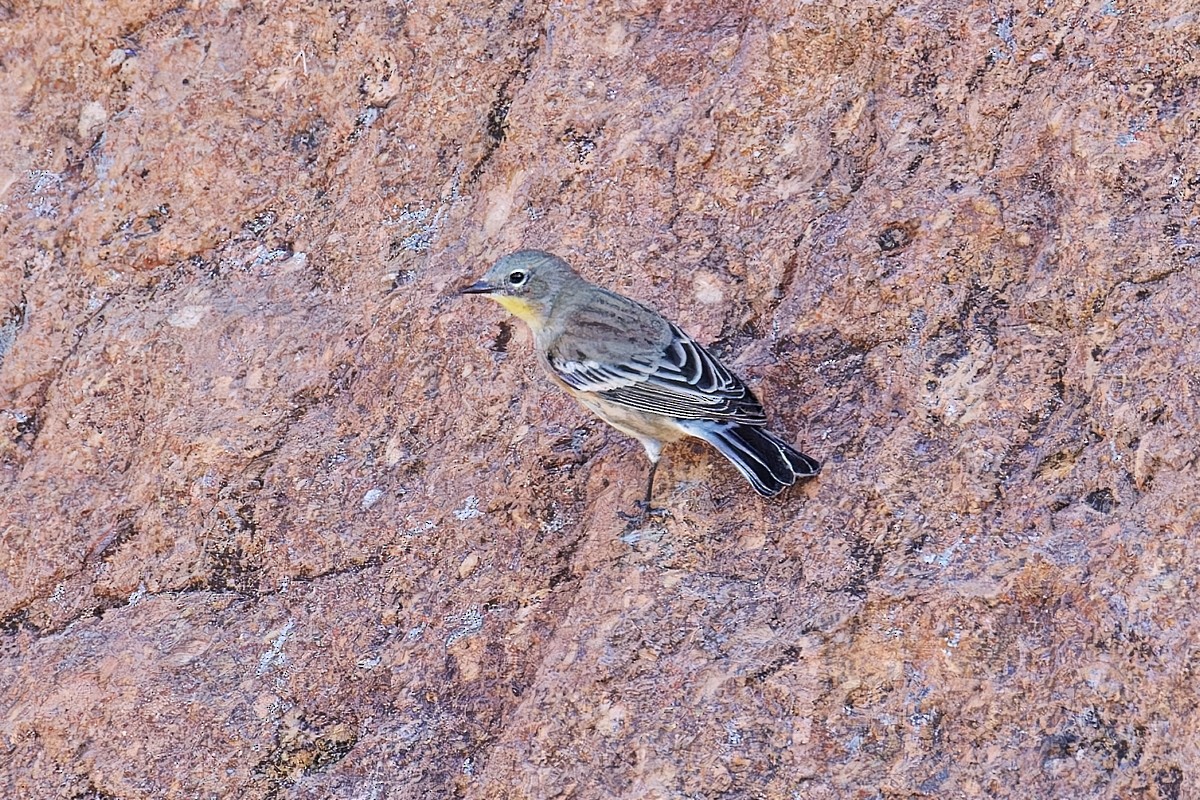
{"type": "Point", "coordinates": [644, 510]}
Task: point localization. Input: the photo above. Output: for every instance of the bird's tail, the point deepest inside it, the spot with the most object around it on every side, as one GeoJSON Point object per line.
{"type": "Point", "coordinates": [769, 463]}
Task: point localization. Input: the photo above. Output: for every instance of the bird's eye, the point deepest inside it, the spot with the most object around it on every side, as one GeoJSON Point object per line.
{"type": "Point", "coordinates": [516, 277]}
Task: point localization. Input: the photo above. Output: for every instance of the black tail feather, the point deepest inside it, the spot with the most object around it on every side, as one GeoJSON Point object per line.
{"type": "Point", "coordinates": [769, 463]}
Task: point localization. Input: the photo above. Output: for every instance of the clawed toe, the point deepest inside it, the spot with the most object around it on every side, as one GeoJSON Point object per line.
{"type": "Point", "coordinates": [651, 511]}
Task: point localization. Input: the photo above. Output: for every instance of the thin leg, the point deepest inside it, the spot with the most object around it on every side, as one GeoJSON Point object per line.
{"type": "Point", "coordinates": [643, 506]}
{"type": "Point", "coordinates": [650, 483]}
{"type": "Point", "coordinates": [653, 449]}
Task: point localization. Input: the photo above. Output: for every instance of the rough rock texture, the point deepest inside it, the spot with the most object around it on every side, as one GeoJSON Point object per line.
{"type": "Point", "coordinates": [284, 517]}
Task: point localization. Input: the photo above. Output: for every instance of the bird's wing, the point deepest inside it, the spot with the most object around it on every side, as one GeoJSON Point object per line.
{"type": "Point", "coordinates": [681, 380]}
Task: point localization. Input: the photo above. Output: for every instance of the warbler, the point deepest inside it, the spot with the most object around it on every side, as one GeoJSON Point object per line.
{"type": "Point", "coordinates": [638, 371]}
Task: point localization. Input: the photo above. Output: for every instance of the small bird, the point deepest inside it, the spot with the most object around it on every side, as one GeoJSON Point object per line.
{"type": "Point", "coordinates": [638, 371]}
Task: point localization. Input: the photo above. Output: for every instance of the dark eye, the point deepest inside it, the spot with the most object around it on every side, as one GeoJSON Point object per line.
{"type": "Point", "coordinates": [516, 277]}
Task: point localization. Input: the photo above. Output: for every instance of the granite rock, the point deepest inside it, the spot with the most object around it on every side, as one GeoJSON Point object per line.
{"type": "Point", "coordinates": [284, 516]}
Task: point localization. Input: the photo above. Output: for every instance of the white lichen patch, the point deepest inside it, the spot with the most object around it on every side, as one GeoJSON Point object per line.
{"type": "Point", "coordinates": [466, 623]}
{"type": "Point", "coordinates": [423, 221]}
{"type": "Point", "coordinates": [188, 317]}
{"type": "Point", "coordinates": [469, 510]}
{"type": "Point", "coordinates": [372, 497]}
{"type": "Point", "coordinates": [274, 655]}
{"type": "Point", "coordinates": [556, 522]}
{"type": "Point", "coordinates": [708, 289]}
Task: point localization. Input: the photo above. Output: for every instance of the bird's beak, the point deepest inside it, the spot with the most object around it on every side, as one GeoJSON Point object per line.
{"type": "Point", "coordinates": [478, 287]}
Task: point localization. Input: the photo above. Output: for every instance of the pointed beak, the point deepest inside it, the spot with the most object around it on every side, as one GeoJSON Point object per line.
{"type": "Point", "coordinates": [478, 287]}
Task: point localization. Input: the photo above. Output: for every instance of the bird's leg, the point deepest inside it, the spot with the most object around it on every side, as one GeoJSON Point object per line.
{"type": "Point", "coordinates": [650, 484]}
{"type": "Point", "coordinates": [643, 506]}
{"type": "Point", "coordinates": [653, 450]}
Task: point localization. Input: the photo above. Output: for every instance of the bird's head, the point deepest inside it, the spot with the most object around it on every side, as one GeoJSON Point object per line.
{"type": "Point", "coordinates": [526, 283]}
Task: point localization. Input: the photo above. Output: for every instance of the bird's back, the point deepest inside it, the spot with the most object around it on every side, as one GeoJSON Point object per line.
{"type": "Point", "coordinates": [605, 327]}
{"type": "Point", "coordinates": [631, 356]}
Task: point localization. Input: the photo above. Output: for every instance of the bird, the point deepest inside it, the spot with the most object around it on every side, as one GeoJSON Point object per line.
{"type": "Point", "coordinates": [638, 371]}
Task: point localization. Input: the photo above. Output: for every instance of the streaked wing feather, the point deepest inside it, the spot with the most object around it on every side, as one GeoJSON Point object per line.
{"type": "Point", "coordinates": [683, 380]}
{"type": "Point", "coordinates": [593, 376]}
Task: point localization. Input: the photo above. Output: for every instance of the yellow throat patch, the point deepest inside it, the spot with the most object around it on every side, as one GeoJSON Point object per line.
{"type": "Point", "coordinates": [522, 309]}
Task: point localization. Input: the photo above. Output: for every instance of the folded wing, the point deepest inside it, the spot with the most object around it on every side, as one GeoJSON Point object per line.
{"type": "Point", "coordinates": [681, 380]}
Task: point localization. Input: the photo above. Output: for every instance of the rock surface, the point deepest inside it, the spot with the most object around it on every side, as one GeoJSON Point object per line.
{"type": "Point", "coordinates": [283, 516]}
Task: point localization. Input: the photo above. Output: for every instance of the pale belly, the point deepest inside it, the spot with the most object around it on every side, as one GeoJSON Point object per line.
{"type": "Point", "coordinates": [652, 430]}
